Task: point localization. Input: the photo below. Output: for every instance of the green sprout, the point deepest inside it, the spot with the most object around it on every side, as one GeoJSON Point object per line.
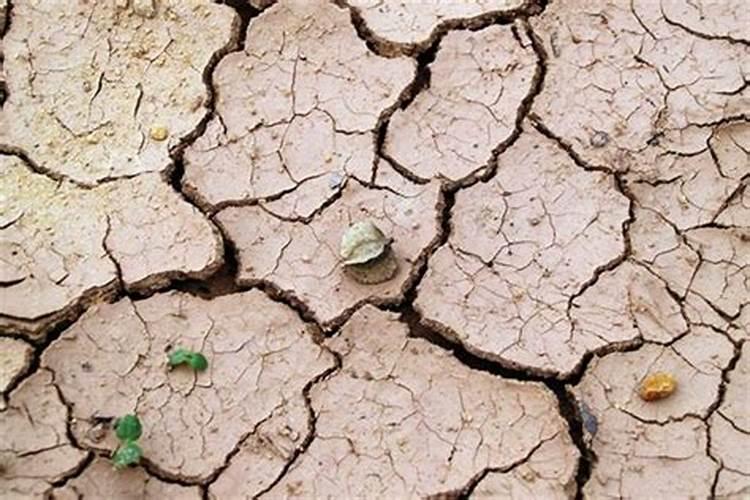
{"type": "Point", "coordinates": [127, 429]}
{"type": "Point", "coordinates": [194, 360]}
{"type": "Point", "coordinates": [129, 453]}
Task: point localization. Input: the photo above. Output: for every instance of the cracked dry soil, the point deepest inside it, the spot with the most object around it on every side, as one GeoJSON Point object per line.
{"type": "Point", "coordinates": [567, 186]}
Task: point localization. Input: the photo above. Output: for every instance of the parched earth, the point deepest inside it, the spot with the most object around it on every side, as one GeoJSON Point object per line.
{"type": "Point", "coordinates": [566, 189]}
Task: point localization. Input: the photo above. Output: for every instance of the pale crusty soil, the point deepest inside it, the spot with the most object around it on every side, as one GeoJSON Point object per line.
{"type": "Point", "coordinates": [566, 188]}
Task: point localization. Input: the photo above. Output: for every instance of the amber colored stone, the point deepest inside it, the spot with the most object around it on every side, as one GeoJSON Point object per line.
{"type": "Point", "coordinates": [657, 386]}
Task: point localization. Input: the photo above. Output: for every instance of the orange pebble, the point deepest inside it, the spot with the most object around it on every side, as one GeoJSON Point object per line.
{"type": "Point", "coordinates": [657, 386]}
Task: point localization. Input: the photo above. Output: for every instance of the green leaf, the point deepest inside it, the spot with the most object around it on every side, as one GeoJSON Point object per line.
{"type": "Point", "coordinates": [194, 360]}
{"type": "Point", "coordinates": [128, 428]}
{"type": "Point", "coordinates": [179, 356]}
{"type": "Point", "coordinates": [198, 362]}
{"type": "Point", "coordinates": [126, 455]}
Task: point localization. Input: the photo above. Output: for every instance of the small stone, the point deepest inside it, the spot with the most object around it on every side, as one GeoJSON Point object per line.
{"type": "Point", "coordinates": [657, 386]}
{"type": "Point", "coordinates": [599, 139]}
{"type": "Point", "coordinates": [335, 180]}
{"type": "Point", "coordinates": [144, 8]}
{"type": "Point", "coordinates": [97, 432]}
{"type": "Point", "coordinates": [590, 424]}
{"type": "Point", "coordinates": [159, 133]}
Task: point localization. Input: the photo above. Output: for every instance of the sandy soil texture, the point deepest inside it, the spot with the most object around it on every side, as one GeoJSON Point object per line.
{"type": "Point", "coordinates": [555, 302]}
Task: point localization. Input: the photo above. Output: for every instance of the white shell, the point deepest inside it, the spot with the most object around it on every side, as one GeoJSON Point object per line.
{"type": "Point", "coordinates": [362, 242]}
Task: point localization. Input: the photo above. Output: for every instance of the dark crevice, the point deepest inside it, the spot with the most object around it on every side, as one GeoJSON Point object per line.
{"type": "Point", "coordinates": [725, 377]}
{"type": "Point", "coordinates": [92, 453]}
{"type": "Point", "coordinates": [571, 412]}
{"type": "Point", "coordinates": [107, 294]}
{"type": "Point", "coordinates": [222, 280]}
{"type": "Point", "coordinates": [567, 404]}
{"type": "Point", "coordinates": [627, 249]}
{"type": "Point", "coordinates": [725, 380]}
{"type": "Point", "coordinates": [225, 280]}
{"type": "Point", "coordinates": [419, 328]}
{"type": "Point", "coordinates": [468, 490]}
{"type": "Point", "coordinates": [485, 172]}
{"type": "Point", "coordinates": [4, 28]}
{"type": "Point", "coordinates": [312, 420]}
{"type": "Point", "coordinates": [89, 457]}
{"type": "Point", "coordinates": [62, 320]}
{"type": "Point", "coordinates": [734, 196]}
{"type": "Point", "coordinates": [539, 125]}
{"type": "Point", "coordinates": [449, 190]}
{"type": "Point", "coordinates": [705, 36]}
{"type": "Point", "coordinates": [620, 185]}
{"type": "Point", "coordinates": [289, 299]}
{"type": "Point", "coordinates": [420, 82]}
{"type": "Point", "coordinates": [79, 469]}
{"type": "Point", "coordinates": [386, 48]}
{"type": "Point", "coordinates": [524, 110]}
{"type": "Point", "coordinates": [8, 150]}
{"type": "Point", "coordinates": [246, 12]}
{"type": "Point", "coordinates": [205, 485]}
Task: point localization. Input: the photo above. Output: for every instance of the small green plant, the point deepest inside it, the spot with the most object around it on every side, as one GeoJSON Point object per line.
{"type": "Point", "coordinates": [194, 360]}
{"type": "Point", "coordinates": [128, 430]}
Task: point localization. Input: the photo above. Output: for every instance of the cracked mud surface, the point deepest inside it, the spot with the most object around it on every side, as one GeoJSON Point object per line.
{"type": "Point", "coordinates": [417, 422]}
{"type": "Point", "coordinates": [565, 190]}
{"type": "Point", "coordinates": [135, 67]}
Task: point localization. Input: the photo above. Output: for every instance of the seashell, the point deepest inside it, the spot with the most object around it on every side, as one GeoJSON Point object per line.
{"type": "Point", "coordinates": [657, 386]}
{"type": "Point", "coordinates": [362, 242]}
{"type": "Point", "coordinates": [375, 271]}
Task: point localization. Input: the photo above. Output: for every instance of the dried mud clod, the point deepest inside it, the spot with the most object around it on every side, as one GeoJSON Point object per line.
{"type": "Point", "coordinates": [729, 429]}
{"type": "Point", "coordinates": [101, 480]}
{"type": "Point", "coordinates": [36, 450]}
{"type": "Point", "coordinates": [375, 271]}
{"type": "Point", "coordinates": [88, 80]}
{"type": "Point", "coordinates": [298, 107]}
{"type": "Point", "coordinates": [511, 282]}
{"type": "Point", "coordinates": [62, 244]}
{"type": "Point", "coordinates": [409, 26]}
{"type": "Point", "coordinates": [15, 359]}
{"type": "Point", "coordinates": [662, 444]}
{"type": "Point", "coordinates": [632, 71]}
{"type": "Point", "coordinates": [262, 356]}
{"type": "Point", "coordinates": [302, 258]}
{"type": "Point", "coordinates": [478, 83]}
{"type": "Point", "coordinates": [417, 423]}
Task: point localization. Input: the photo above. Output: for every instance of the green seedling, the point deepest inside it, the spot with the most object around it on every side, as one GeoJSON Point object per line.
{"type": "Point", "coordinates": [194, 360]}
{"type": "Point", "coordinates": [128, 430]}
{"type": "Point", "coordinates": [129, 453]}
